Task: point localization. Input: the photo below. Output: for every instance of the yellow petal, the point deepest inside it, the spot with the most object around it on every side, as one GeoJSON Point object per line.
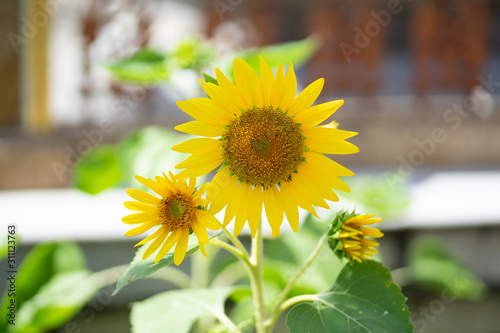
{"type": "Point", "coordinates": [169, 243]}
{"type": "Point", "coordinates": [140, 207]}
{"type": "Point", "coordinates": [181, 247]}
{"type": "Point", "coordinates": [201, 232]}
{"type": "Point", "coordinates": [295, 191]}
{"type": "Point", "coordinates": [306, 98]}
{"type": "Point", "coordinates": [202, 249]}
{"type": "Point", "coordinates": [290, 209]}
{"type": "Point", "coordinates": [254, 209]}
{"type": "Point", "coordinates": [267, 80]}
{"type": "Point", "coordinates": [200, 129]}
{"type": "Point", "coordinates": [198, 145]}
{"type": "Point", "coordinates": [200, 164]}
{"type": "Point", "coordinates": [329, 140]}
{"type": "Point", "coordinates": [308, 190]}
{"type": "Point", "coordinates": [204, 110]}
{"type": "Point", "coordinates": [372, 232]}
{"type": "Point", "coordinates": [244, 195]}
{"type": "Point", "coordinates": [327, 165]}
{"type": "Point", "coordinates": [317, 114]}
{"type": "Point", "coordinates": [207, 219]}
{"type": "Point", "coordinates": [248, 84]}
{"type": "Point", "coordinates": [274, 210]}
{"type": "Point", "coordinates": [237, 204]}
{"type": "Point", "coordinates": [143, 196]}
{"type": "Point", "coordinates": [279, 88]}
{"type": "Point", "coordinates": [139, 218]}
{"type": "Point", "coordinates": [231, 93]}
{"type": "Point", "coordinates": [219, 96]}
{"type": "Point", "coordinates": [325, 177]}
{"type": "Point", "coordinates": [139, 230]}
{"type": "Point", "coordinates": [290, 89]}
{"type": "Point", "coordinates": [162, 192]}
{"type": "Point", "coordinates": [162, 229]}
{"type": "Point", "coordinates": [155, 245]}
{"type": "Point", "coordinates": [221, 190]}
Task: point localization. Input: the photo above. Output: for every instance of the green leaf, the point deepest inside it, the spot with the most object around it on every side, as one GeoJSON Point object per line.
{"type": "Point", "coordinates": [146, 67]}
{"type": "Point", "coordinates": [140, 268]}
{"type": "Point", "coordinates": [37, 271]}
{"type": "Point", "coordinates": [363, 299]}
{"type": "Point", "coordinates": [433, 266]}
{"type": "Point", "coordinates": [99, 170]}
{"type": "Point", "coordinates": [176, 311]}
{"type": "Point", "coordinates": [56, 302]}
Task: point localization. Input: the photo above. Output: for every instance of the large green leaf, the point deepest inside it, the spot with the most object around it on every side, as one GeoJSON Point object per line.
{"type": "Point", "coordinates": [146, 67]}
{"type": "Point", "coordinates": [57, 301]}
{"type": "Point", "coordinates": [140, 268]}
{"type": "Point", "coordinates": [363, 299]}
{"type": "Point", "coordinates": [433, 266]}
{"type": "Point", "coordinates": [176, 311]}
{"type": "Point", "coordinates": [43, 269]}
{"type": "Point", "coordinates": [99, 170]}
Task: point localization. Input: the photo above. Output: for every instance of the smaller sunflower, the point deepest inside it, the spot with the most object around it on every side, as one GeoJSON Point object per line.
{"type": "Point", "coordinates": [348, 234]}
{"type": "Point", "coordinates": [177, 211]}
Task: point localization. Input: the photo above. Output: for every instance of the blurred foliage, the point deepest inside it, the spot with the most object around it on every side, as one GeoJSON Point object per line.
{"type": "Point", "coordinates": [298, 52]}
{"type": "Point", "coordinates": [144, 152]}
{"type": "Point", "coordinates": [52, 285]}
{"type": "Point", "coordinates": [184, 307]}
{"type": "Point", "coordinates": [362, 299]}
{"type": "Point", "coordinates": [434, 267]}
{"type": "Point", "coordinates": [378, 196]}
{"type": "Point", "coordinates": [192, 53]}
{"type": "Point", "coordinates": [99, 170]}
{"type": "Point", "coordinates": [287, 254]}
{"type": "Point", "coordinates": [148, 67]}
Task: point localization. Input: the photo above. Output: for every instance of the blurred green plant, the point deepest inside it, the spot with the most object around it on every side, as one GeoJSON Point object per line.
{"type": "Point", "coordinates": [433, 266]}
{"type": "Point", "coordinates": [150, 68]}
{"type": "Point", "coordinates": [142, 152]}
{"type": "Point", "coordinates": [51, 286]}
{"type": "Point", "coordinates": [376, 195]}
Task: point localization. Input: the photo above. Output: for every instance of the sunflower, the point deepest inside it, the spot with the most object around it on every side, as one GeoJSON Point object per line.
{"type": "Point", "coordinates": [176, 211]}
{"type": "Point", "coordinates": [348, 236]}
{"type": "Point", "coordinates": [269, 144]}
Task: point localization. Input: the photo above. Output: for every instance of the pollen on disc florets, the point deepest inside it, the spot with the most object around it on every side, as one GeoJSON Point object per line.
{"type": "Point", "coordinates": [177, 211]}
{"type": "Point", "coordinates": [263, 146]}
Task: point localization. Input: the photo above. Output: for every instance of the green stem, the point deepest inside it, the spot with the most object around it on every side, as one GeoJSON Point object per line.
{"type": "Point", "coordinates": [256, 280]}
{"type": "Point", "coordinates": [294, 300]}
{"type": "Point", "coordinates": [275, 313]}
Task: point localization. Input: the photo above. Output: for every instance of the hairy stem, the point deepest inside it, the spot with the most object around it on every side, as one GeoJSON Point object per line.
{"type": "Point", "coordinates": [275, 313]}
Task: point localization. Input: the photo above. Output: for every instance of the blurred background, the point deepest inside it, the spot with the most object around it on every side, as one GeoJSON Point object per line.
{"type": "Point", "coordinates": [82, 82]}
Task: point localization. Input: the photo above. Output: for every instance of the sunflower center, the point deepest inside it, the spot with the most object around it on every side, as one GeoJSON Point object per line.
{"type": "Point", "coordinates": [178, 212]}
{"type": "Point", "coordinates": [263, 146]}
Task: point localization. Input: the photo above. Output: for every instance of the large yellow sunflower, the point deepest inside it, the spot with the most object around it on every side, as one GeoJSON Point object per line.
{"type": "Point", "coordinates": [176, 211]}
{"type": "Point", "coordinates": [269, 145]}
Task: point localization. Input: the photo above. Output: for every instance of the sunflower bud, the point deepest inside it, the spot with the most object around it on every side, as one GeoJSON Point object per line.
{"type": "Point", "coordinates": [348, 236]}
